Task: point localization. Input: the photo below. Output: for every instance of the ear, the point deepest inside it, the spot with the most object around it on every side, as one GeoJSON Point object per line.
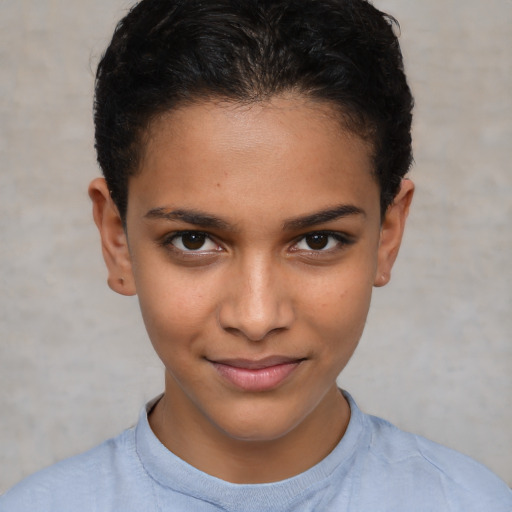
{"type": "Point", "coordinates": [114, 243]}
{"type": "Point", "coordinates": [391, 232]}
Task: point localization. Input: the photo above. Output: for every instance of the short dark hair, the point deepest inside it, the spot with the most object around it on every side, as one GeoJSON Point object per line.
{"type": "Point", "coordinates": [165, 53]}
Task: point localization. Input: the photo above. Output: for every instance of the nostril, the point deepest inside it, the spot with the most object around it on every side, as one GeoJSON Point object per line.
{"type": "Point", "coordinates": [254, 336]}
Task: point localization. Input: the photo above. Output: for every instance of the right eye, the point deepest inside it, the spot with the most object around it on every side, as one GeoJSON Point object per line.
{"type": "Point", "coordinates": [193, 241]}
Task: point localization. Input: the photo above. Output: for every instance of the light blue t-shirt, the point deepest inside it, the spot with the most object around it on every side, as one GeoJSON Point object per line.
{"type": "Point", "coordinates": [374, 468]}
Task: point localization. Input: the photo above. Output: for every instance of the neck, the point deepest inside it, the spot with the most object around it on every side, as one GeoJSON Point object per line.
{"type": "Point", "coordinates": [194, 439]}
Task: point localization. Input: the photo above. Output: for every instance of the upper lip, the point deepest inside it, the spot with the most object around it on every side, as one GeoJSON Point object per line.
{"type": "Point", "coordinates": [257, 364]}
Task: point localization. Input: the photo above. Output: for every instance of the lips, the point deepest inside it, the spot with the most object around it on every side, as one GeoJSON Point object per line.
{"type": "Point", "coordinates": [256, 375]}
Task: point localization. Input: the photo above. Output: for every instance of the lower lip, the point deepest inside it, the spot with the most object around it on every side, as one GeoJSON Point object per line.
{"type": "Point", "coordinates": [261, 379]}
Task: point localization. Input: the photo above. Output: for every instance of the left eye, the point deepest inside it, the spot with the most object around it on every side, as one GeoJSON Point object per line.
{"type": "Point", "coordinates": [317, 242]}
{"type": "Point", "coordinates": [193, 241]}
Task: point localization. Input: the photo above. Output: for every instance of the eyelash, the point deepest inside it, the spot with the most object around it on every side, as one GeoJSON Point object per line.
{"type": "Point", "coordinates": [168, 242]}
{"type": "Point", "coordinates": [342, 240]}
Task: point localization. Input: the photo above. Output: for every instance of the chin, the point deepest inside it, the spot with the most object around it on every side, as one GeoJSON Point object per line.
{"type": "Point", "coordinates": [256, 433]}
{"type": "Point", "coordinates": [258, 426]}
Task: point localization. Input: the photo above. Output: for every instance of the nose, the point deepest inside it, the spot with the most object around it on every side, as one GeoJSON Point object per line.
{"type": "Point", "coordinates": [257, 301]}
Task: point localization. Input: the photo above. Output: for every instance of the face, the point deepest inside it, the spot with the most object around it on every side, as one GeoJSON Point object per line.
{"type": "Point", "coordinates": [253, 241]}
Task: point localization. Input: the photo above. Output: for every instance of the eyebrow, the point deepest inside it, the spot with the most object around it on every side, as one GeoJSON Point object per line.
{"type": "Point", "coordinates": [195, 217]}
{"type": "Point", "coordinates": [322, 216]}
{"type": "Point", "coordinates": [206, 220]}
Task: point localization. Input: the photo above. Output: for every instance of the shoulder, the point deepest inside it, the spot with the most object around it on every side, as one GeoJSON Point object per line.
{"type": "Point", "coordinates": [76, 483]}
{"type": "Point", "coordinates": [425, 469]}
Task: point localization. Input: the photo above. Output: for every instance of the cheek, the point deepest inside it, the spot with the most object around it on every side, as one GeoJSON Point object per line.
{"type": "Point", "coordinates": [175, 306]}
{"type": "Point", "coordinates": [337, 305]}
{"type": "Point", "coordinates": [349, 285]}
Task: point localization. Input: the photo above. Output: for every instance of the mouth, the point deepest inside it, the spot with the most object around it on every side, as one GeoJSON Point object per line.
{"type": "Point", "coordinates": [256, 375]}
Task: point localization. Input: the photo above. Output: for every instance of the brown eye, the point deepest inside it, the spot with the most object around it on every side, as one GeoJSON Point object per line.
{"type": "Point", "coordinates": [317, 241]}
{"type": "Point", "coordinates": [197, 241]}
{"type": "Point", "coordinates": [322, 242]}
{"type": "Point", "coordinates": [193, 241]}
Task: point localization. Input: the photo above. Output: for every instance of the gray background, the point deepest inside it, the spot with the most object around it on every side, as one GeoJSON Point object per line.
{"type": "Point", "coordinates": [436, 358]}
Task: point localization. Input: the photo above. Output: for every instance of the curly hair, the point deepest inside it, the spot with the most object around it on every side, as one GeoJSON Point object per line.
{"type": "Point", "coordinates": [165, 53]}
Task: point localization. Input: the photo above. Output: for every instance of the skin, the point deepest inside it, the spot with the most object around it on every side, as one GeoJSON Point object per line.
{"type": "Point", "coordinates": [268, 280]}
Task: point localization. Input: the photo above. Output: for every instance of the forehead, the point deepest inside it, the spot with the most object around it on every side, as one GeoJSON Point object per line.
{"type": "Point", "coordinates": [285, 154]}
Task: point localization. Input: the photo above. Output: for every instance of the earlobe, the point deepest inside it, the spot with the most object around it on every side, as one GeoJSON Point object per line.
{"type": "Point", "coordinates": [392, 230]}
{"type": "Point", "coordinates": [114, 243]}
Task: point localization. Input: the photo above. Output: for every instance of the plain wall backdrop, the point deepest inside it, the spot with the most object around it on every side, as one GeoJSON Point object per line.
{"type": "Point", "coordinates": [436, 357]}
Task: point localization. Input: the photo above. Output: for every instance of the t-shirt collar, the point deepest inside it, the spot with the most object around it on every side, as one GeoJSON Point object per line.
{"type": "Point", "coordinates": [170, 471]}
